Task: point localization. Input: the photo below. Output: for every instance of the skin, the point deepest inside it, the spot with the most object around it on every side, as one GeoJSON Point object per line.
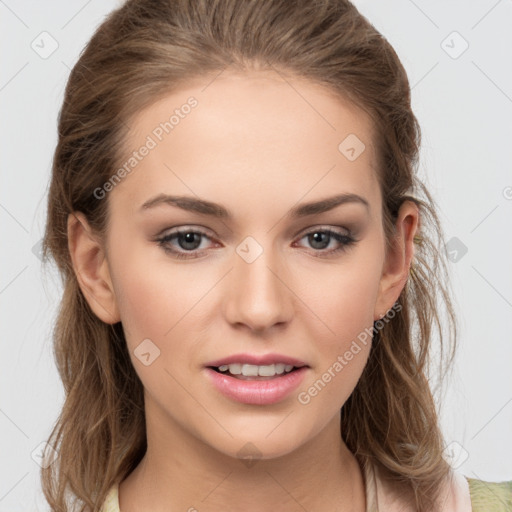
{"type": "Point", "coordinates": [258, 147]}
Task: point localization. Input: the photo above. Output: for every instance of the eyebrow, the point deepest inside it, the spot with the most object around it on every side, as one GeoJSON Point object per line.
{"type": "Point", "coordinates": [204, 207]}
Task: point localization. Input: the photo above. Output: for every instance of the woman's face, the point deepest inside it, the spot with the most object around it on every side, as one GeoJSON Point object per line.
{"type": "Point", "coordinates": [261, 280]}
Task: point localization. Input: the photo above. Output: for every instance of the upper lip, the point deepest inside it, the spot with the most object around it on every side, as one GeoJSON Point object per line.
{"type": "Point", "coordinates": [259, 360]}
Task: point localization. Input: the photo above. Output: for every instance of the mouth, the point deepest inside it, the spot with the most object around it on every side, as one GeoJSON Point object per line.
{"type": "Point", "coordinates": [256, 379]}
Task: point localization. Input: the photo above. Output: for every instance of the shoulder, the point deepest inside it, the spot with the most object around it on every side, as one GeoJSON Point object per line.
{"type": "Point", "coordinates": [460, 494]}
{"type": "Point", "coordinates": [111, 503]}
{"type": "Point", "coordinates": [490, 496]}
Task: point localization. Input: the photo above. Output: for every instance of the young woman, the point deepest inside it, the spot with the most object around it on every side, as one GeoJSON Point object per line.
{"type": "Point", "coordinates": [251, 278]}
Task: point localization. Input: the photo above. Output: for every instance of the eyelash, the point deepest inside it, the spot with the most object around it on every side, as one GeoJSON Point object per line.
{"type": "Point", "coordinates": [345, 240]}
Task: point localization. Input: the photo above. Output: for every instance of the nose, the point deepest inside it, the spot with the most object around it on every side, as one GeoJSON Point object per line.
{"type": "Point", "coordinates": [258, 295]}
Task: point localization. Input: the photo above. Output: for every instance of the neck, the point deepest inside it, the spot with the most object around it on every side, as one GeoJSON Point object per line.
{"type": "Point", "coordinates": [181, 472]}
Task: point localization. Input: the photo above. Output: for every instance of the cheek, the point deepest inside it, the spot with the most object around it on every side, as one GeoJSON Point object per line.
{"type": "Point", "coordinates": [343, 338]}
{"type": "Point", "coordinates": [141, 307]}
{"type": "Point", "coordinates": [153, 296]}
{"type": "Point", "coordinates": [155, 303]}
{"type": "Point", "coordinates": [345, 299]}
{"type": "Point", "coordinates": [161, 302]}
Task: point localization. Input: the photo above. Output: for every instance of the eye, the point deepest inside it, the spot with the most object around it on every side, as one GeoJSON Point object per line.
{"type": "Point", "coordinates": [320, 239]}
{"type": "Point", "coordinates": [189, 242]}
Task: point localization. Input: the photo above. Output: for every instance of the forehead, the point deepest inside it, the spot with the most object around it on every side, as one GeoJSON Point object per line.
{"type": "Point", "coordinates": [247, 132]}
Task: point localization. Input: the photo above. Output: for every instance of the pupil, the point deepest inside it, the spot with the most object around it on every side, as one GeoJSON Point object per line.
{"type": "Point", "coordinates": [188, 238]}
{"type": "Point", "coordinates": [317, 239]}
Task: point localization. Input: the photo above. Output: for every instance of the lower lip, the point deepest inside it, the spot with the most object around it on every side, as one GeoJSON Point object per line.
{"type": "Point", "coordinates": [257, 392]}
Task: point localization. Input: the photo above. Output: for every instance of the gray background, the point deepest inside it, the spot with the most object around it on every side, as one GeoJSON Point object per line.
{"type": "Point", "coordinates": [463, 100]}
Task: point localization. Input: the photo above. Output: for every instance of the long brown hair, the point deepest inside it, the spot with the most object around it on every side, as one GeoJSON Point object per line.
{"type": "Point", "coordinates": [148, 48]}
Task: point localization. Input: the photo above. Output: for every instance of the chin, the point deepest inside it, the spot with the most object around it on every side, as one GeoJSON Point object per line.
{"type": "Point", "coordinates": [260, 443]}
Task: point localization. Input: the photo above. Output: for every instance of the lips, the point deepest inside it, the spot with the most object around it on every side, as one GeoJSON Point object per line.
{"type": "Point", "coordinates": [255, 391]}
{"type": "Point", "coordinates": [258, 360]}
{"type": "Point", "coordinates": [253, 388]}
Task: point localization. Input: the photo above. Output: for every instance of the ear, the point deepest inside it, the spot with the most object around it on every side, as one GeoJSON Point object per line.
{"type": "Point", "coordinates": [398, 259]}
{"type": "Point", "coordinates": [91, 268]}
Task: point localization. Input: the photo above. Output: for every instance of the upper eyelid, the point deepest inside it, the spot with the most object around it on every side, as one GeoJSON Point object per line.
{"type": "Point", "coordinates": [303, 232]}
{"type": "Point", "coordinates": [185, 229]}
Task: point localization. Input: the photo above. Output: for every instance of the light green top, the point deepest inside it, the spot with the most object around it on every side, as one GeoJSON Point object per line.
{"type": "Point", "coordinates": [490, 496]}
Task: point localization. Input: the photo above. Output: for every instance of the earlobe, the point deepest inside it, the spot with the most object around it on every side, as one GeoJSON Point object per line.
{"type": "Point", "coordinates": [398, 259]}
{"type": "Point", "coordinates": [91, 268]}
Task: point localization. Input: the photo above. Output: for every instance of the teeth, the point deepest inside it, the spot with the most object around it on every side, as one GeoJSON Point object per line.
{"type": "Point", "coordinates": [279, 368]}
{"type": "Point", "coordinates": [266, 371]}
{"type": "Point", "coordinates": [252, 370]}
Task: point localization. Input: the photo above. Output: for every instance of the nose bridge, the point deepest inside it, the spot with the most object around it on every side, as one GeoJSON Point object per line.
{"type": "Point", "coordinates": [259, 298]}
